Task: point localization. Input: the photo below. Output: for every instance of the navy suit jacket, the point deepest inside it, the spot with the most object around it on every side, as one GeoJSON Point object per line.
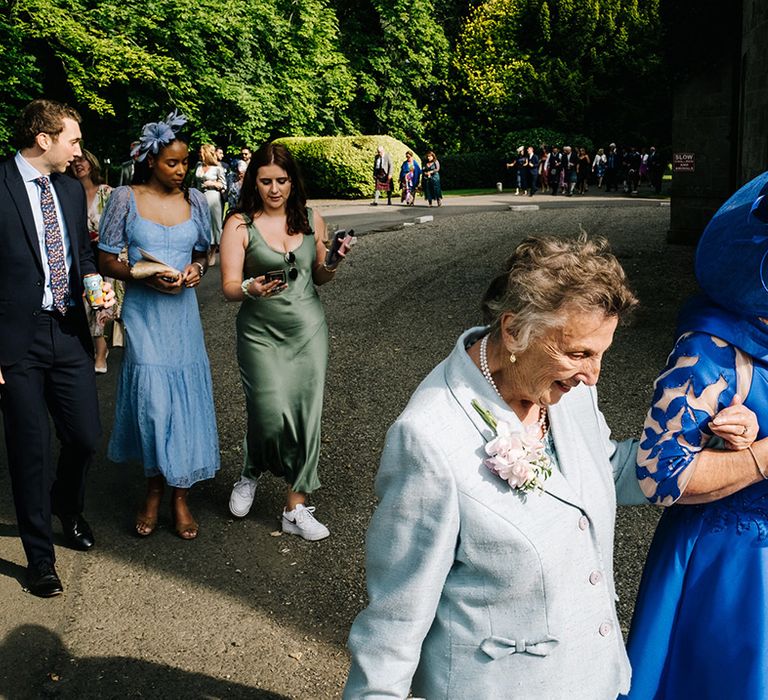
{"type": "Point", "coordinates": [22, 278]}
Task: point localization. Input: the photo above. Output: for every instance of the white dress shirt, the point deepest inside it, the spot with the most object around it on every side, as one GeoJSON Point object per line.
{"type": "Point", "coordinates": [29, 174]}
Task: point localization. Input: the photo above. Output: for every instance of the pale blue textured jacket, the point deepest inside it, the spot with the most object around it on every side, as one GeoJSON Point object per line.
{"type": "Point", "coordinates": [476, 590]}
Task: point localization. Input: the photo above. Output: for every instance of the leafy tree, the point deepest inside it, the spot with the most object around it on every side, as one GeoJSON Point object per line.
{"type": "Point", "coordinates": [19, 75]}
{"type": "Point", "coordinates": [572, 66]}
{"type": "Point", "coordinates": [242, 70]}
{"type": "Point", "coordinates": [400, 57]}
{"type": "Point", "coordinates": [456, 75]}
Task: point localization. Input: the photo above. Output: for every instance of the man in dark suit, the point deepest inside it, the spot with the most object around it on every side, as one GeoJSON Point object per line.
{"type": "Point", "coordinates": [46, 356]}
{"type": "Point", "coordinates": [555, 167]}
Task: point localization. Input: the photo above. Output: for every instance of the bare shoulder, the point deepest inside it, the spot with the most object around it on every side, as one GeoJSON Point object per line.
{"type": "Point", "coordinates": [318, 224]}
{"type": "Point", "coordinates": [235, 226]}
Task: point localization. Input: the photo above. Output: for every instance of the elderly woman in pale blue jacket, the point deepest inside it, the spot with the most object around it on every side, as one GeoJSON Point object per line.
{"type": "Point", "coordinates": [489, 557]}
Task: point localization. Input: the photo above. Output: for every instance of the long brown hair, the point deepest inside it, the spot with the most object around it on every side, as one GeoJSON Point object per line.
{"type": "Point", "coordinates": [296, 207]}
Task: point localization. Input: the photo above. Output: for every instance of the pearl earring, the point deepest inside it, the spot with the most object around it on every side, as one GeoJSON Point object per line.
{"type": "Point", "coordinates": [512, 358]}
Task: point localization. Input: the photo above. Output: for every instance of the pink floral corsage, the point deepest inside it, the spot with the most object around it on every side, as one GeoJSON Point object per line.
{"type": "Point", "coordinates": [517, 456]}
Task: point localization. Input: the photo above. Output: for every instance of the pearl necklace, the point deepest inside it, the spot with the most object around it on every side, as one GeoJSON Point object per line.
{"type": "Point", "coordinates": [543, 418]}
{"type": "Point", "coordinates": [484, 364]}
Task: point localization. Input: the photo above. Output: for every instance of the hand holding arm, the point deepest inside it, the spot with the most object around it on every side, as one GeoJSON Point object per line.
{"type": "Point", "coordinates": [695, 397]}
{"type": "Point", "coordinates": [736, 425]}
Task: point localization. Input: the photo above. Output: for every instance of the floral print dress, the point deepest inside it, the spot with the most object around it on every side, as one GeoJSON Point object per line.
{"type": "Point", "coordinates": [703, 596]}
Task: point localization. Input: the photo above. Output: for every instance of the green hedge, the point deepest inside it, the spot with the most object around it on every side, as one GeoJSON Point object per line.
{"type": "Point", "coordinates": [342, 166]}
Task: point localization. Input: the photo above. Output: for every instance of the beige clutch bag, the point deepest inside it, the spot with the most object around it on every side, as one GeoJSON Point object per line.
{"type": "Point", "coordinates": [149, 266]}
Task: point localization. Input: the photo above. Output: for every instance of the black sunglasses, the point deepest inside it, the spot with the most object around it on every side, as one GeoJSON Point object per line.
{"type": "Point", "coordinates": [290, 258]}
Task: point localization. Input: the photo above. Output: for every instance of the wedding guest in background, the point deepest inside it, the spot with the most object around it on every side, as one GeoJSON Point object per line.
{"type": "Point", "coordinates": [544, 167]}
{"type": "Point", "coordinates": [706, 575]}
{"type": "Point", "coordinates": [631, 162]}
{"type": "Point", "coordinates": [555, 168]}
{"type": "Point", "coordinates": [273, 255]}
{"type": "Point", "coordinates": [612, 169]}
{"type": "Point", "coordinates": [46, 354]}
{"type": "Point", "coordinates": [382, 175]}
{"type": "Point", "coordinates": [598, 167]}
{"type": "Point", "coordinates": [518, 166]}
{"type": "Point", "coordinates": [410, 175]}
{"type": "Point", "coordinates": [532, 171]}
{"type": "Point", "coordinates": [229, 176]}
{"type": "Point", "coordinates": [164, 414]}
{"type": "Point", "coordinates": [493, 577]}
{"type": "Point", "coordinates": [211, 180]}
{"type": "Point", "coordinates": [87, 170]}
{"type": "Point", "coordinates": [655, 170]}
{"type": "Point", "coordinates": [245, 154]}
{"type": "Point", "coordinates": [583, 170]}
{"type": "Point", "coordinates": [222, 160]}
{"type": "Point", "coordinates": [430, 178]}
{"type": "Point", "coordinates": [233, 192]}
{"type": "Point", "coordinates": [570, 174]}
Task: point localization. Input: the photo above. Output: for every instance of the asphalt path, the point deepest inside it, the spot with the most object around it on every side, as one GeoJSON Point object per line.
{"type": "Point", "coordinates": [244, 611]}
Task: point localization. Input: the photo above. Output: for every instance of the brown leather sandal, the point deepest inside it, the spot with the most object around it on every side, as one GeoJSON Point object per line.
{"type": "Point", "coordinates": [146, 518]}
{"type": "Point", "coordinates": [145, 525]}
{"type": "Point", "coordinates": [186, 529]}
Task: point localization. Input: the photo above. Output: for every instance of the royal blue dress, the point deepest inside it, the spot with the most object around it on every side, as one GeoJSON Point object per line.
{"type": "Point", "coordinates": [700, 623]}
{"type": "Point", "coordinates": [164, 413]}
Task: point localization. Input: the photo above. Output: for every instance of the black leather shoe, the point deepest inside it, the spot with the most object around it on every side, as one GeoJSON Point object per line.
{"type": "Point", "coordinates": [43, 581]}
{"type": "Point", "coordinates": [77, 532]}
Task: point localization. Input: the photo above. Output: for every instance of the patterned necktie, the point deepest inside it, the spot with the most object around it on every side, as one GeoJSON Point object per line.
{"type": "Point", "coordinates": [54, 248]}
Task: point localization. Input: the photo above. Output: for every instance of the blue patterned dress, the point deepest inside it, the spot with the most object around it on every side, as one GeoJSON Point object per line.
{"type": "Point", "coordinates": [164, 413]}
{"type": "Point", "coordinates": [700, 623]}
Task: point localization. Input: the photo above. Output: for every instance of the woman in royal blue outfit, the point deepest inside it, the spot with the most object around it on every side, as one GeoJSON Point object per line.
{"type": "Point", "coordinates": [700, 628]}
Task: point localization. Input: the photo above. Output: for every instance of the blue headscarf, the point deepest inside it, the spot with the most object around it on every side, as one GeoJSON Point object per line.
{"type": "Point", "coordinates": [732, 269]}
{"type": "Point", "coordinates": [731, 259]}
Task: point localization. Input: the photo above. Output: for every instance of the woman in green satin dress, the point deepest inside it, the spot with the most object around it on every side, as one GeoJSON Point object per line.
{"type": "Point", "coordinates": [282, 337]}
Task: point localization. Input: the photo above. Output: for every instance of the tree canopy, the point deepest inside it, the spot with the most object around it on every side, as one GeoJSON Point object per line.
{"type": "Point", "coordinates": [452, 74]}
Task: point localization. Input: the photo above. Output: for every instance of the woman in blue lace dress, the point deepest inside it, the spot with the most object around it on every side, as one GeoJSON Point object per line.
{"type": "Point", "coordinates": [164, 414]}
{"type": "Point", "coordinates": [699, 628]}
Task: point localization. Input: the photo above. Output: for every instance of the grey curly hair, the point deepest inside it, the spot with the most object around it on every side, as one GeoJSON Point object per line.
{"type": "Point", "coordinates": [549, 275]}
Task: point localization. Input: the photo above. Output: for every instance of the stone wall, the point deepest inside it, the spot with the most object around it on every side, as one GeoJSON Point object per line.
{"type": "Point", "coordinates": [753, 122]}
{"type": "Point", "coordinates": [720, 109]}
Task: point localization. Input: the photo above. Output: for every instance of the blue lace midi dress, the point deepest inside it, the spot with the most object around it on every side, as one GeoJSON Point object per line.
{"type": "Point", "coordinates": [164, 412]}
{"type": "Point", "coordinates": [700, 626]}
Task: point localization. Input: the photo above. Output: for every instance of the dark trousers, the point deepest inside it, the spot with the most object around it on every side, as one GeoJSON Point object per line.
{"type": "Point", "coordinates": [530, 180]}
{"type": "Point", "coordinates": [55, 377]}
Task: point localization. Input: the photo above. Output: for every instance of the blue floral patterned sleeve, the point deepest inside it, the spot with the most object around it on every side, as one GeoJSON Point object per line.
{"type": "Point", "coordinates": [700, 379]}
{"type": "Point", "coordinates": [112, 224]}
{"type": "Point", "coordinates": [202, 219]}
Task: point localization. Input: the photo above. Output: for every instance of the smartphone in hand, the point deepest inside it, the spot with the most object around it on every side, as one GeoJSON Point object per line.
{"type": "Point", "coordinates": [339, 247]}
{"type": "Point", "coordinates": [273, 275]}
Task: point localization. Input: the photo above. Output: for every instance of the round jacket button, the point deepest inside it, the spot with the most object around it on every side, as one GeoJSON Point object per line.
{"type": "Point", "coordinates": [583, 522]}
{"type": "Point", "coordinates": [595, 577]}
{"type": "Point", "coordinates": [605, 629]}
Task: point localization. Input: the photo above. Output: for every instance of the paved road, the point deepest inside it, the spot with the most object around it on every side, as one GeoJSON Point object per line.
{"type": "Point", "coordinates": [243, 613]}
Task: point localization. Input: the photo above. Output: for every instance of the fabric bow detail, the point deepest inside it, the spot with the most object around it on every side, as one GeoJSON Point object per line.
{"type": "Point", "coordinates": [497, 647]}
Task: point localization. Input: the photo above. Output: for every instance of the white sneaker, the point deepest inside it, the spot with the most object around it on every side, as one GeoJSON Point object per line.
{"type": "Point", "coordinates": [241, 499]}
{"type": "Point", "coordinates": [300, 521]}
